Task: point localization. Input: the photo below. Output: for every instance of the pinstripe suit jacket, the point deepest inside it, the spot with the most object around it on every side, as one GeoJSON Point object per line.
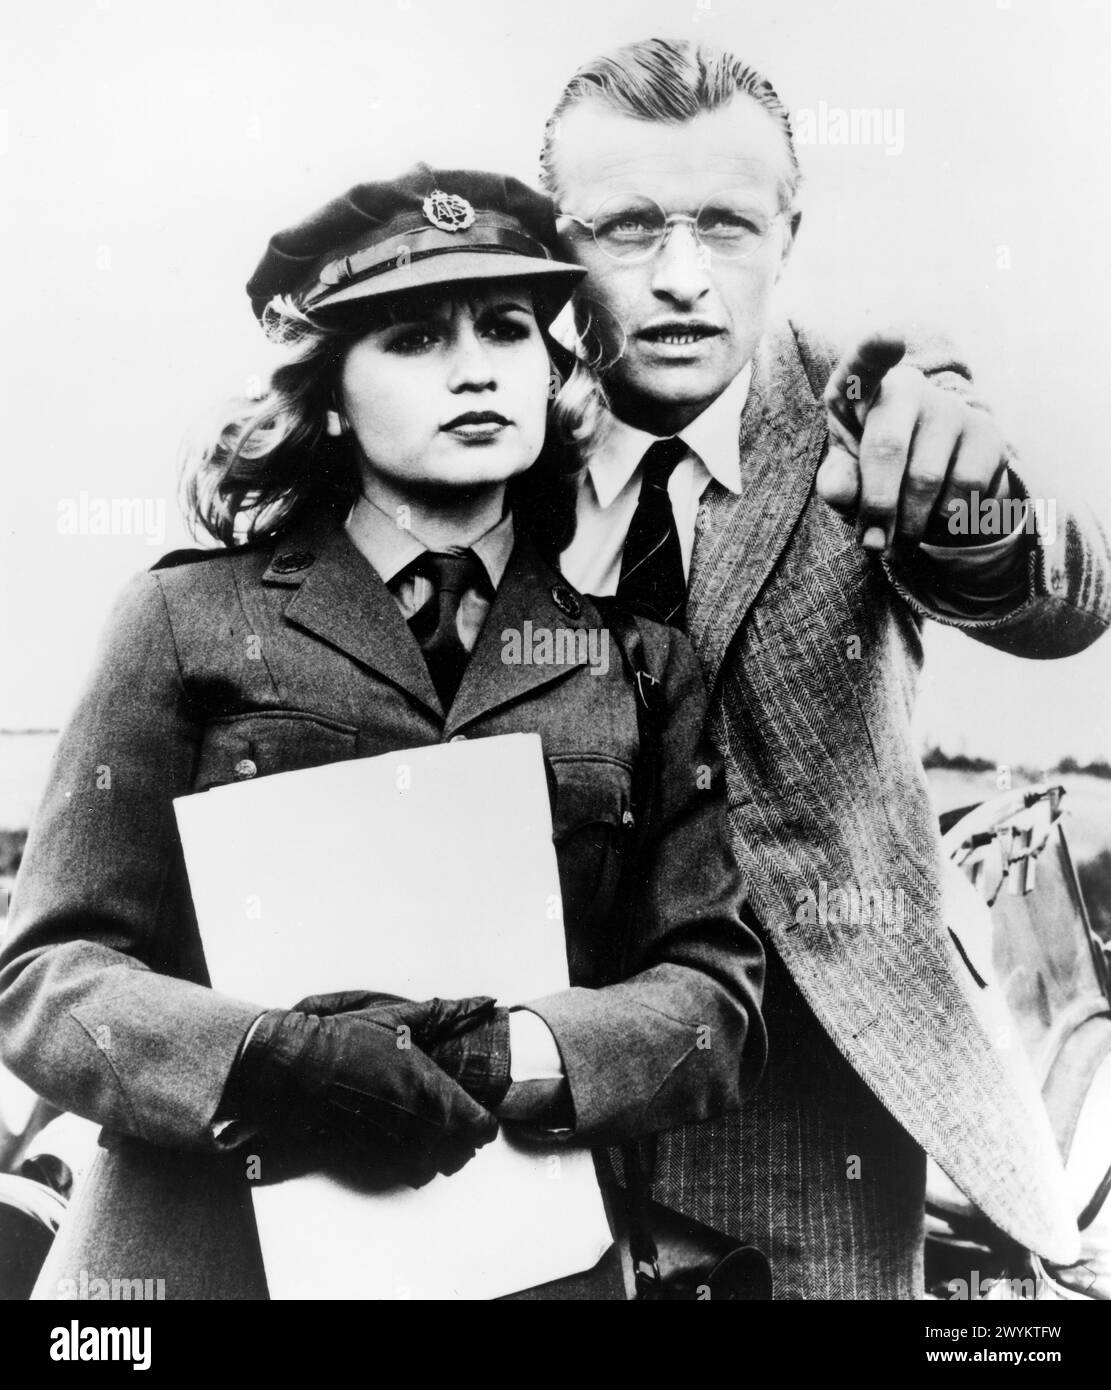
{"type": "Point", "coordinates": [825, 786]}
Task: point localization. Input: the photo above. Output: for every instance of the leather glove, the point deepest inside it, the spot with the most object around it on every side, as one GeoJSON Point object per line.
{"type": "Point", "coordinates": [467, 1038]}
{"type": "Point", "coordinates": [339, 1092]}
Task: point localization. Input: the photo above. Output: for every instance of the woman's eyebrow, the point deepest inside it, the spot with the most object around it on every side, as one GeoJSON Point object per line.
{"type": "Point", "coordinates": [522, 306]}
{"type": "Point", "coordinates": [419, 313]}
{"type": "Point", "coordinates": [434, 318]}
{"type": "Point", "coordinates": [418, 318]}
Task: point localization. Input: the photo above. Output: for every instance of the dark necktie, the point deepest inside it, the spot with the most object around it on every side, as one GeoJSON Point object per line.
{"type": "Point", "coordinates": [652, 579]}
{"type": "Point", "coordinates": [435, 624]}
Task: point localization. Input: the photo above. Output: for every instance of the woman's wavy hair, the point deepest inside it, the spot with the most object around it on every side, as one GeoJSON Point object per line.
{"type": "Point", "coordinates": [271, 459]}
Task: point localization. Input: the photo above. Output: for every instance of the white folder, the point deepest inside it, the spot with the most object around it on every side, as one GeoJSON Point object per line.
{"type": "Point", "coordinates": [419, 873]}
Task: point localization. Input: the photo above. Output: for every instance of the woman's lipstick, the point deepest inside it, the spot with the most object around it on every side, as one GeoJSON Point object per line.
{"type": "Point", "coordinates": [476, 426]}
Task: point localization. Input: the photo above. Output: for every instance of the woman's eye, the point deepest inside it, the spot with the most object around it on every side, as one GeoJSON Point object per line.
{"type": "Point", "coordinates": [413, 340]}
{"type": "Point", "coordinates": [507, 330]}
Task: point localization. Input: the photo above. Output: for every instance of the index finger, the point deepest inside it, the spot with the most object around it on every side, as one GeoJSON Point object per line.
{"type": "Point", "coordinates": [858, 376]}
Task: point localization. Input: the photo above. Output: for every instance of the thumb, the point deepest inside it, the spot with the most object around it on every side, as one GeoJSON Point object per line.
{"type": "Point", "coordinates": [858, 376]}
{"type": "Point", "coordinates": [348, 1001]}
{"type": "Point", "coordinates": [838, 481]}
{"type": "Point", "coordinates": [435, 1021]}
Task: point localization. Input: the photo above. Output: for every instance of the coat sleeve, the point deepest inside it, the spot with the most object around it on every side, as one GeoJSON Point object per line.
{"type": "Point", "coordinates": [681, 1038]}
{"type": "Point", "coordinates": [1065, 602]}
{"type": "Point", "coordinates": [104, 1004]}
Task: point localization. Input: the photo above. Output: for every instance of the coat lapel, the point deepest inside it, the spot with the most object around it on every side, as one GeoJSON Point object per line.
{"type": "Point", "coordinates": [532, 600]}
{"type": "Point", "coordinates": [337, 596]}
{"type": "Point", "coordinates": [741, 536]}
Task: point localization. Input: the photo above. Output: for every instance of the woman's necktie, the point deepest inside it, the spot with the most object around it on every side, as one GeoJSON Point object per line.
{"type": "Point", "coordinates": [652, 579]}
{"type": "Point", "coordinates": [435, 624]}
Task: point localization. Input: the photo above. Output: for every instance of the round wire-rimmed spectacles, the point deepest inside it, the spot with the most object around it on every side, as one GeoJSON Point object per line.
{"type": "Point", "coordinates": [632, 227]}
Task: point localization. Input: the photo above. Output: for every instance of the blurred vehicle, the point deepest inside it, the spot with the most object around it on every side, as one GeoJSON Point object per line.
{"type": "Point", "coordinates": [1053, 972]}
{"type": "Point", "coordinates": [42, 1154]}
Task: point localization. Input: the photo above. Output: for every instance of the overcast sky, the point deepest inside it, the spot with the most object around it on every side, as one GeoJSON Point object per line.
{"type": "Point", "coordinates": [149, 150]}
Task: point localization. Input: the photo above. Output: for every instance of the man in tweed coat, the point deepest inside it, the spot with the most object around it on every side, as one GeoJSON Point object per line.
{"type": "Point", "coordinates": [815, 511]}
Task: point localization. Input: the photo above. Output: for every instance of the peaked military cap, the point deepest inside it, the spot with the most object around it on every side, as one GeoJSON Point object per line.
{"type": "Point", "coordinates": [427, 227]}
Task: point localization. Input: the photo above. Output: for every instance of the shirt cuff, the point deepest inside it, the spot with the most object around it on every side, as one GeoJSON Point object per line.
{"type": "Point", "coordinates": [533, 1051]}
{"type": "Point", "coordinates": [229, 1131]}
{"type": "Point", "coordinates": [538, 1083]}
{"type": "Point", "coordinates": [974, 579]}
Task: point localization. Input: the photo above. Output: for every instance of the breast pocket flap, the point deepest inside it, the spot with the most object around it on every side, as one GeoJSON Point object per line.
{"type": "Point", "coordinates": [260, 744]}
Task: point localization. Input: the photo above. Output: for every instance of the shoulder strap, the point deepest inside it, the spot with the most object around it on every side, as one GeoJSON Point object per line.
{"type": "Point", "coordinates": [650, 714]}
{"type": "Point", "coordinates": [638, 1160]}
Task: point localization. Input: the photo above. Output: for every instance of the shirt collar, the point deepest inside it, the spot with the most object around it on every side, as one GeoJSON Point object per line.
{"type": "Point", "coordinates": [390, 548]}
{"type": "Point", "coordinates": [495, 547]}
{"type": "Point", "coordinates": [712, 437]}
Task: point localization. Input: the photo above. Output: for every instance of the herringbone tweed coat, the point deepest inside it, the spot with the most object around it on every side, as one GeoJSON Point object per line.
{"type": "Point", "coordinates": [812, 650]}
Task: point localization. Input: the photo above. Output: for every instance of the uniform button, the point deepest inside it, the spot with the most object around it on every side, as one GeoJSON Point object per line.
{"type": "Point", "coordinates": [292, 562]}
{"type": "Point", "coordinates": [566, 601]}
{"type": "Point", "coordinates": [245, 768]}
{"type": "Point", "coordinates": [458, 738]}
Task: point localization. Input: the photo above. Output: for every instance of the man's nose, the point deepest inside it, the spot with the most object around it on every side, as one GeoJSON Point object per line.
{"type": "Point", "coordinates": [472, 366]}
{"type": "Point", "coordinates": [680, 271]}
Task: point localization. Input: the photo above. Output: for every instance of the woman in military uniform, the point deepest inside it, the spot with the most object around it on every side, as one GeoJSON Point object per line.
{"type": "Point", "coordinates": [386, 513]}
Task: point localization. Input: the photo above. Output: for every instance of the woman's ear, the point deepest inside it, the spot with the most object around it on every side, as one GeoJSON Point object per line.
{"type": "Point", "coordinates": [336, 423]}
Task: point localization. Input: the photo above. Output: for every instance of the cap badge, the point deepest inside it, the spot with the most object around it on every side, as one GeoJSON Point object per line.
{"type": "Point", "coordinates": [448, 211]}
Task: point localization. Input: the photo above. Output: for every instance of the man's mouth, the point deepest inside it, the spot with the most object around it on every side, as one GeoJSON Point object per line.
{"type": "Point", "coordinates": [677, 333]}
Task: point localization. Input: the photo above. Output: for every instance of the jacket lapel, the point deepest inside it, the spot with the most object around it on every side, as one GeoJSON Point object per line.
{"type": "Point", "coordinates": [533, 603]}
{"type": "Point", "coordinates": [741, 536]}
{"type": "Point", "coordinates": [337, 596]}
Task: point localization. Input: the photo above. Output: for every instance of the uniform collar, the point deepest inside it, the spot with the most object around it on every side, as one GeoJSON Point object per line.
{"type": "Point", "coordinates": [335, 593]}
{"type": "Point", "coordinates": [390, 548]}
{"type": "Point", "coordinates": [712, 437]}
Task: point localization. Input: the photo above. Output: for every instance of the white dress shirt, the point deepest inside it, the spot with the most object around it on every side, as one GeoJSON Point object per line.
{"type": "Point", "coordinates": [392, 548]}
{"type": "Point", "coordinates": [610, 485]}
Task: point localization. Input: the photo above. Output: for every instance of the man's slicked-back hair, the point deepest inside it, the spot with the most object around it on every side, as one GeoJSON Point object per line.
{"type": "Point", "coordinates": [670, 80]}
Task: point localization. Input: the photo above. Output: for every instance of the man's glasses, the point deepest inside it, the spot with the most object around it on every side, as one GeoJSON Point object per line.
{"type": "Point", "coordinates": [632, 227]}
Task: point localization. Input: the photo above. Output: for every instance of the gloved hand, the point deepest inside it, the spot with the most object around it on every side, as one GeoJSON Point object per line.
{"type": "Point", "coordinates": [342, 1089]}
{"type": "Point", "coordinates": [468, 1038]}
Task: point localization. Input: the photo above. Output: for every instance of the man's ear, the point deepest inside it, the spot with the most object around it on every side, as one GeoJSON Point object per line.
{"type": "Point", "coordinates": [788, 242]}
{"type": "Point", "coordinates": [579, 310]}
